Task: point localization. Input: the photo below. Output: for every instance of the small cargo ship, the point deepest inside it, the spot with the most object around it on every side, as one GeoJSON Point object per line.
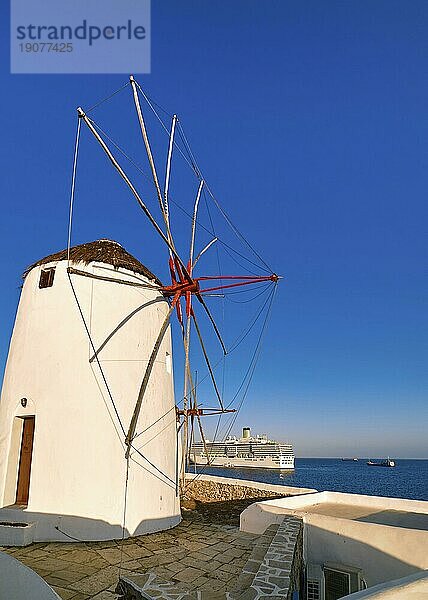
{"type": "Point", "coordinates": [353, 459]}
{"type": "Point", "coordinates": [383, 463]}
{"type": "Point", "coordinates": [247, 451]}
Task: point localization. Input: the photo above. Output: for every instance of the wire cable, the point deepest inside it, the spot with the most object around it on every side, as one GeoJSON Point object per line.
{"type": "Point", "coordinates": [192, 163]}
{"type": "Point", "coordinates": [216, 202]}
{"type": "Point", "coordinates": [73, 186]}
{"type": "Point", "coordinates": [171, 199]}
{"type": "Point", "coordinates": [107, 98]}
{"type": "Point", "coordinates": [96, 356]}
{"type": "Point", "coordinates": [254, 362]}
{"type": "Point", "coordinates": [195, 167]}
{"type": "Point", "coordinates": [252, 368]}
{"type": "Point", "coordinates": [125, 504]}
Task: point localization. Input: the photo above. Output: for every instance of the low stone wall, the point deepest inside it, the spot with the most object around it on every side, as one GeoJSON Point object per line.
{"type": "Point", "coordinates": [212, 491]}
{"type": "Point", "coordinates": [208, 488]}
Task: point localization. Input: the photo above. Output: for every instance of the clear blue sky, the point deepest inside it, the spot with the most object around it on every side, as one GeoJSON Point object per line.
{"type": "Point", "coordinates": [310, 121]}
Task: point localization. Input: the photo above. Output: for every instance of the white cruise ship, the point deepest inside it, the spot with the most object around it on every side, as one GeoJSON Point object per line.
{"type": "Point", "coordinates": [258, 452]}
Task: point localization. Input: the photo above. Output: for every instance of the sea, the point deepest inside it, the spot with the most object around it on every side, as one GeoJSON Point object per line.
{"type": "Point", "coordinates": [408, 479]}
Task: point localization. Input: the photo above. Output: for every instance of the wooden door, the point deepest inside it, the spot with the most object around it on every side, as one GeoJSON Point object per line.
{"type": "Point", "coordinates": [23, 486]}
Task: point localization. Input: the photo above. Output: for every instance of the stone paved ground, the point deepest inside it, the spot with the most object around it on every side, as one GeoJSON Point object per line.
{"type": "Point", "coordinates": [196, 554]}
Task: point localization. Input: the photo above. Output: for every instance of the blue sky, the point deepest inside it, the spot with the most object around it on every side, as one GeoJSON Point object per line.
{"type": "Point", "coordinates": [309, 120]}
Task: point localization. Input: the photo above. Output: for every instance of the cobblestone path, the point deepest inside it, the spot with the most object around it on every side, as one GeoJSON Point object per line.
{"type": "Point", "coordinates": [195, 554]}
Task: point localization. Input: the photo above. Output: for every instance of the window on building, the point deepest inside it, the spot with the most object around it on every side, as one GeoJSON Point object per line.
{"type": "Point", "coordinates": [46, 278]}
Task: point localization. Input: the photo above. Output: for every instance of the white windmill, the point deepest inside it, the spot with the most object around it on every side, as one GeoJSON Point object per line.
{"type": "Point", "coordinates": [85, 345]}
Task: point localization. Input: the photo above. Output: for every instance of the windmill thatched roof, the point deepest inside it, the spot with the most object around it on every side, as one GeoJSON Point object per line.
{"type": "Point", "coordinates": [104, 251]}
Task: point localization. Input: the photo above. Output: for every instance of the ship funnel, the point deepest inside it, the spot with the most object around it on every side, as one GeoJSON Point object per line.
{"type": "Point", "coordinates": [246, 433]}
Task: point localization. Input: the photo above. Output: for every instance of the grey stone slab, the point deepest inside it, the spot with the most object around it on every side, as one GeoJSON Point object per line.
{"type": "Point", "coordinates": [281, 582]}
{"type": "Point", "coordinates": [64, 593]}
{"type": "Point", "coordinates": [230, 568]}
{"type": "Point", "coordinates": [112, 555]}
{"type": "Point", "coordinates": [188, 575]}
{"type": "Point", "coordinates": [221, 547]}
{"type": "Point", "coordinates": [207, 595]}
{"type": "Point", "coordinates": [249, 594]}
{"type": "Point", "coordinates": [222, 575]}
{"type": "Point", "coordinates": [137, 551]}
{"type": "Point", "coordinates": [252, 566]}
{"type": "Point", "coordinates": [175, 567]}
{"type": "Point", "coordinates": [211, 566]}
{"type": "Point", "coordinates": [98, 582]}
{"type": "Point", "coordinates": [104, 596]}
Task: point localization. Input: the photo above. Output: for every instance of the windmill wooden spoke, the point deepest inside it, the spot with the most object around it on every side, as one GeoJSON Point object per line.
{"type": "Point", "coordinates": [146, 378]}
{"type": "Point", "coordinates": [195, 411]}
{"type": "Point", "coordinates": [195, 214]}
{"type": "Point", "coordinates": [204, 250]}
{"type": "Point", "coordinates": [150, 155]}
{"type": "Point", "coordinates": [168, 170]}
{"type": "Point", "coordinates": [122, 173]}
{"type": "Point", "coordinates": [201, 431]}
{"type": "Point", "coordinates": [207, 360]}
{"type": "Point", "coordinates": [187, 377]}
{"type": "Point", "coordinates": [192, 432]}
{"type": "Point", "coordinates": [241, 281]}
{"type": "Point", "coordinates": [183, 283]}
{"type": "Point", "coordinates": [211, 318]}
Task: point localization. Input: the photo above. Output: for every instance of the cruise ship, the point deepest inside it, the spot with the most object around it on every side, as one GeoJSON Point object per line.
{"type": "Point", "coordinates": [247, 451]}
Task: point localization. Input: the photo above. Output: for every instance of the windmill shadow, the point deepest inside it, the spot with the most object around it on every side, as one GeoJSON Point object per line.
{"type": "Point", "coordinates": [122, 323]}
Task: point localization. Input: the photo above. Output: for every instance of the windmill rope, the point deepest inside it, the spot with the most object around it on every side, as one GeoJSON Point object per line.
{"type": "Point", "coordinates": [164, 127]}
{"type": "Point", "coordinates": [222, 211]}
{"type": "Point", "coordinates": [223, 304]}
{"type": "Point", "coordinates": [125, 504]}
{"type": "Point", "coordinates": [155, 435]}
{"type": "Point", "coordinates": [95, 353]}
{"type": "Point", "coordinates": [191, 160]}
{"type": "Point", "coordinates": [238, 340]}
{"type": "Point", "coordinates": [254, 362]}
{"type": "Point", "coordinates": [72, 191]}
{"type": "Point", "coordinates": [193, 164]}
{"type": "Point", "coordinates": [118, 417]}
{"type": "Point", "coordinates": [222, 242]}
{"type": "Point", "coordinates": [265, 287]}
{"type": "Point", "coordinates": [107, 97]}
{"type": "Point", "coordinates": [183, 210]}
{"type": "Point", "coordinates": [195, 167]}
{"type": "Point", "coordinates": [134, 460]}
{"type": "Point", "coordinates": [154, 422]}
{"type": "Point", "coordinates": [121, 150]}
{"type": "Point", "coordinates": [153, 465]}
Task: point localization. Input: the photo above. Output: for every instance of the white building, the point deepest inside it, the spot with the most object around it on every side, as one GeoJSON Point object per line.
{"type": "Point", "coordinates": [79, 349]}
{"type": "Point", "coordinates": [352, 542]}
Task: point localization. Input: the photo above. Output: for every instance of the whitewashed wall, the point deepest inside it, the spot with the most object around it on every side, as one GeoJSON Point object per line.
{"type": "Point", "coordinates": [78, 468]}
{"type": "Point", "coordinates": [383, 552]}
